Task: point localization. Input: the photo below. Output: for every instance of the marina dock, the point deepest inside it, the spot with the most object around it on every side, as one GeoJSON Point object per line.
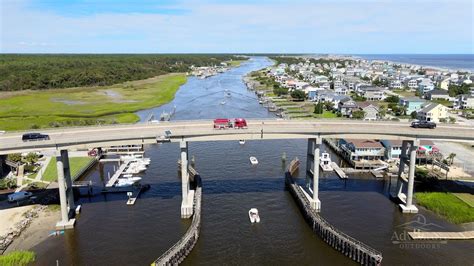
{"type": "Point", "coordinates": [117, 174]}
{"type": "Point", "coordinates": [442, 235]}
{"type": "Point", "coordinates": [338, 171]}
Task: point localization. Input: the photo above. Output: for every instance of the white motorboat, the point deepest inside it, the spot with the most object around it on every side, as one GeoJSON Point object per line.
{"type": "Point", "coordinates": [253, 215]}
{"type": "Point", "coordinates": [325, 162]}
{"type": "Point", "coordinates": [128, 181]}
{"type": "Point", "coordinates": [223, 102]}
{"type": "Point", "coordinates": [241, 142]}
{"type": "Point", "coordinates": [253, 160]}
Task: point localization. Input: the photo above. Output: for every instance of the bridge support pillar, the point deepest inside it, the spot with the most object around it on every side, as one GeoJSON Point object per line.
{"type": "Point", "coordinates": [187, 194]}
{"type": "Point", "coordinates": [66, 196]}
{"type": "Point", "coordinates": [409, 207]}
{"type": "Point", "coordinates": [2, 162]}
{"type": "Point", "coordinates": [313, 160]}
{"type": "Point", "coordinates": [398, 192]}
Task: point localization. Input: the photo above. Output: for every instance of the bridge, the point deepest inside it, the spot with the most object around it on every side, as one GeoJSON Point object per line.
{"type": "Point", "coordinates": [64, 139]}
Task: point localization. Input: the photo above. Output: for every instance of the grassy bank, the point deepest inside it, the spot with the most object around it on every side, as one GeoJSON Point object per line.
{"type": "Point", "coordinates": [17, 258]}
{"type": "Point", "coordinates": [447, 205]}
{"type": "Point", "coordinates": [76, 164]}
{"type": "Point", "coordinates": [87, 105]}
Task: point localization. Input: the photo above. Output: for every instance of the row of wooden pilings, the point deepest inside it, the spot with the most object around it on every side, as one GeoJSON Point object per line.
{"type": "Point", "coordinates": [337, 239]}
{"type": "Point", "coordinates": [179, 251]}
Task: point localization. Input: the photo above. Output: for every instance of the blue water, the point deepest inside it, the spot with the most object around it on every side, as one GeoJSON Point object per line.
{"type": "Point", "coordinates": [449, 61]}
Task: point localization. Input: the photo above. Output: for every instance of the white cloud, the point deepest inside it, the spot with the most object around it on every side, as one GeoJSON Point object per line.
{"type": "Point", "coordinates": [282, 26]}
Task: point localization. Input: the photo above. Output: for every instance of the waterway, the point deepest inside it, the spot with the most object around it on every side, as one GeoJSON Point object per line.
{"type": "Point", "coordinates": [110, 232]}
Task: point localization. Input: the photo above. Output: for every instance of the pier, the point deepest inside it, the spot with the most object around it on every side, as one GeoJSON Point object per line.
{"type": "Point", "coordinates": [117, 174]}
{"type": "Point", "coordinates": [466, 235]}
{"type": "Point", "coordinates": [338, 170]}
{"type": "Point", "coordinates": [348, 246]}
{"type": "Point", "coordinates": [179, 251]}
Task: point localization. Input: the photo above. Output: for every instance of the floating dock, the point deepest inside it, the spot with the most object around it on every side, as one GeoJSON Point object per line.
{"type": "Point", "coordinates": [466, 235]}
{"type": "Point", "coordinates": [132, 198]}
{"type": "Point", "coordinates": [339, 171]}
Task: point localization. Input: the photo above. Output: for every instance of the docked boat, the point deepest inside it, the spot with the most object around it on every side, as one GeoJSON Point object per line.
{"type": "Point", "coordinates": [241, 142]}
{"type": "Point", "coordinates": [253, 215]}
{"type": "Point", "coordinates": [128, 181]}
{"type": "Point", "coordinates": [325, 162]}
{"type": "Point", "coordinates": [253, 160]}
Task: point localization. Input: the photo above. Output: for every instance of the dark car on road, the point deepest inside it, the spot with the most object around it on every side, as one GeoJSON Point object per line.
{"type": "Point", "coordinates": [34, 137]}
{"type": "Point", "coordinates": [423, 124]}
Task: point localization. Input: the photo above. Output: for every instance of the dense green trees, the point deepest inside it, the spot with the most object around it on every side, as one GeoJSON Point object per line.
{"type": "Point", "coordinates": [454, 90]}
{"type": "Point", "coordinates": [37, 72]}
{"type": "Point", "coordinates": [298, 95]}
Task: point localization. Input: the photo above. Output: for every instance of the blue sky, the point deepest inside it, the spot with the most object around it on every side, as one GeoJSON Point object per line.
{"type": "Point", "coordinates": [230, 26]}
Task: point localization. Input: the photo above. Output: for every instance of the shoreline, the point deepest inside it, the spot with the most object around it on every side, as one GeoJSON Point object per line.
{"type": "Point", "coordinates": [26, 227]}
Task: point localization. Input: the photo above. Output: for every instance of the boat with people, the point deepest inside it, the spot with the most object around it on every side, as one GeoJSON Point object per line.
{"type": "Point", "coordinates": [241, 142]}
{"type": "Point", "coordinates": [325, 162]}
{"type": "Point", "coordinates": [253, 215]}
{"type": "Point", "coordinates": [253, 160]}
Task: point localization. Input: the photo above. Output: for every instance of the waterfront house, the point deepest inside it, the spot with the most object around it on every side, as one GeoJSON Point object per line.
{"type": "Point", "coordinates": [412, 104]}
{"type": "Point", "coordinates": [464, 101]}
{"type": "Point", "coordinates": [393, 149]}
{"type": "Point", "coordinates": [433, 112]}
{"type": "Point", "coordinates": [371, 111]}
{"type": "Point", "coordinates": [360, 149]}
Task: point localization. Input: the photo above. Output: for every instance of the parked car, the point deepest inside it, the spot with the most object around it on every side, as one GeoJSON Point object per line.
{"type": "Point", "coordinates": [423, 124]}
{"type": "Point", "coordinates": [19, 196]}
{"type": "Point", "coordinates": [2, 132]}
{"type": "Point", "coordinates": [34, 137]}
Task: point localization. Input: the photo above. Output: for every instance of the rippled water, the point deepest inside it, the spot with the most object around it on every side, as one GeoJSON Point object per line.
{"type": "Point", "coordinates": [110, 232]}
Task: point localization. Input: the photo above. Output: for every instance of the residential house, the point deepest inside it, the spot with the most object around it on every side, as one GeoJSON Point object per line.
{"type": "Point", "coordinates": [425, 86]}
{"type": "Point", "coordinates": [464, 101]}
{"type": "Point", "coordinates": [359, 149]}
{"type": "Point", "coordinates": [346, 106]}
{"type": "Point", "coordinates": [332, 97]}
{"type": "Point", "coordinates": [371, 111]}
{"type": "Point", "coordinates": [433, 112]}
{"type": "Point", "coordinates": [393, 149]}
{"type": "Point", "coordinates": [438, 95]}
{"type": "Point", "coordinates": [412, 104]}
{"type": "Point", "coordinates": [372, 93]}
{"type": "Point", "coordinates": [412, 83]}
{"type": "Point", "coordinates": [325, 86]}
{"type": "Point", "coordinates": [396, 84]}
{"type": "Point", "coordinates": [341, 90]}
{"type": "Point", "coordinates": [444, 84]}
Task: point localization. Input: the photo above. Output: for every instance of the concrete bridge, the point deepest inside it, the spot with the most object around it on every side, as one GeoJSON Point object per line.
{"type": "Point", "coordinates": [64, 139]}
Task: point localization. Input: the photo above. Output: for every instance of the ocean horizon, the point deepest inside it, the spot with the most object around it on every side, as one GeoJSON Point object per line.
{"type": "Point", "coordinates": [448, 61]}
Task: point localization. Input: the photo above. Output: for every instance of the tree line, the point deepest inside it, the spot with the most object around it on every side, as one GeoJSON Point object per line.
{"type": "Point", "coordinates": [45, 71]}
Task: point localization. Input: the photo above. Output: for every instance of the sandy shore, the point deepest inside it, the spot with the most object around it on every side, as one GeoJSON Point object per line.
{"type": "Point", "coordinates": [10, 217]}
{"type": "Point", "coordinates": [36, 232]}
{"type": "Point", "coordinates": [463, 167]}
